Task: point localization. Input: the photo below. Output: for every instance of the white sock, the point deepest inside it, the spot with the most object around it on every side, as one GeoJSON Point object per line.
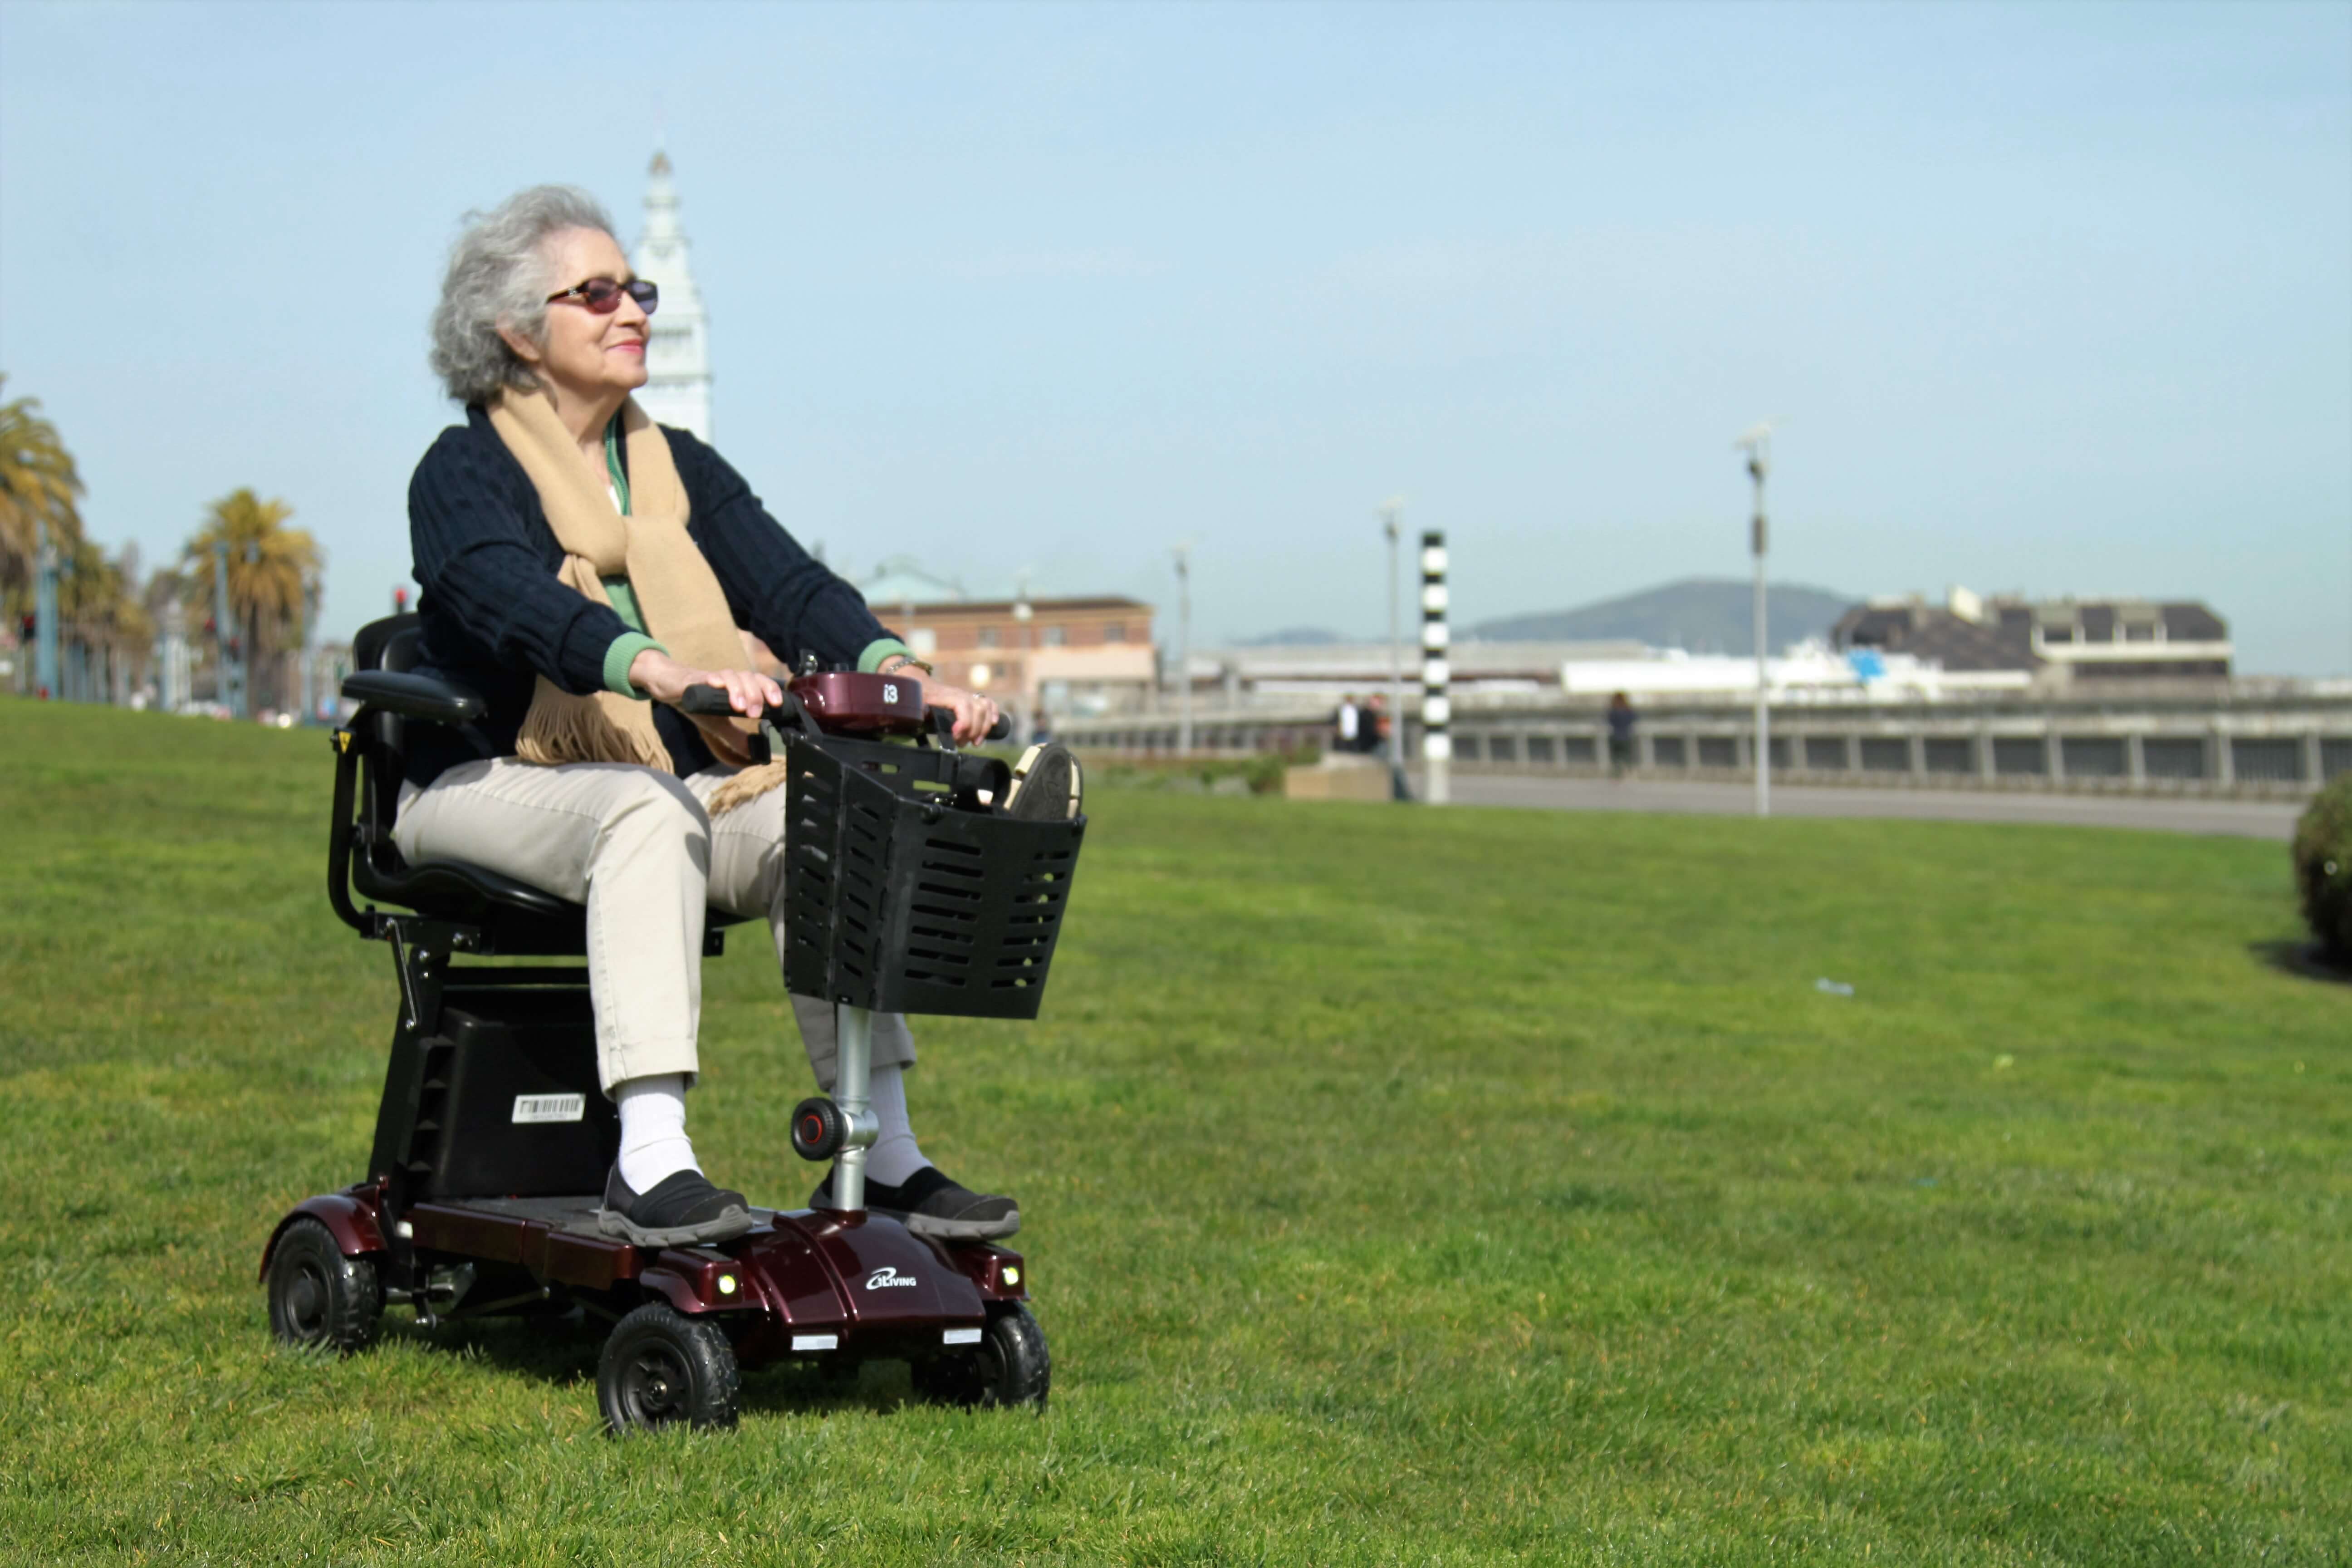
{"type": "Point", "coordinates": [894, 1156]}
{"type": "Point", "coordinates": [654, 1145]}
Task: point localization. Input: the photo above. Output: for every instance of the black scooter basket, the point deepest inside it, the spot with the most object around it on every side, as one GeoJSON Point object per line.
{"type": "Point", "coordinates": [907, 904]}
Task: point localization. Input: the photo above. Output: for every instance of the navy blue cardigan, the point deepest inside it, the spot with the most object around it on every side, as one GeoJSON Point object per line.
{"type": "Point", "coordinates": [493, 615]}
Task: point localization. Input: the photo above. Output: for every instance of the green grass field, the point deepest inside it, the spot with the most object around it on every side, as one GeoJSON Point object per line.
{"type": "Point", "coordinates": [1402, 1187]}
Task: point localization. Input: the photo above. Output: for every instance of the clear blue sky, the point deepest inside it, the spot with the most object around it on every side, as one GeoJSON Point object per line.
{"type": "Point", "coordinates": [2057, 299]}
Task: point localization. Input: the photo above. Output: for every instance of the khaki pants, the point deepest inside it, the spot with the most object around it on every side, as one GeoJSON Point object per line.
{"type": "Point", "coordinates": [637, 848]}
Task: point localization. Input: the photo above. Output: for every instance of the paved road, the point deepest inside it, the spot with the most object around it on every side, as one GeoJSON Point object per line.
{"type": "Point", "coordinates": [2238, 818]}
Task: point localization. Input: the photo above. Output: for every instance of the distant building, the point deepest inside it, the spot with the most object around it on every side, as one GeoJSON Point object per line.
{"type": "Point", "coordinates": [678, 355]}
{"type": "Point", "coordinates": [1252, 673]}
{"type": "Point", "coordinates": [1066, 658]}
{"type": "Point", "coordinates": [901, 581]}
{"type": "Point", "coordinates": [2052, 641]}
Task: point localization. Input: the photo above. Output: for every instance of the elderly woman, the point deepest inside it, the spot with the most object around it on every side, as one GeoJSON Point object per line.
{"type": "Point", "coordinates": [581, 567]}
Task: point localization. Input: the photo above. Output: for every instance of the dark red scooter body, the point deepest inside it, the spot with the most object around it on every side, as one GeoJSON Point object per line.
{"type": "Point", "coordinates": [801, 1282]}
{"type": "Point", "coordinates": [350, 1216]}
{"type": "Point", "coordinates": [843, 703]}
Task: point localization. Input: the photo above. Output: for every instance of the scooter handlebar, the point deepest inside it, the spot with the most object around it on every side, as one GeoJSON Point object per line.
{"type": "Point", "coordinates": [714, 701]}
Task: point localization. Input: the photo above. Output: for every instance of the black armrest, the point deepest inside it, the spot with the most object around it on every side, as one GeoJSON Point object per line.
{"type": "Point", "coordinates": [421, 697]}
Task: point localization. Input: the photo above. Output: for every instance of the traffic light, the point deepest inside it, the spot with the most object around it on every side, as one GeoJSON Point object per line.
{"type": "Point", "coordinates": [400, 601]}
{"type": "Point", "coordinates": [29, 627]}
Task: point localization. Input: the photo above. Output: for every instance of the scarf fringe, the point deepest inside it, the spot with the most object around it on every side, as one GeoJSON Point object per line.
{"type": "Point", "coordinates": [562, 728]}
{"type": "Point", "coordinates": [748, 787]}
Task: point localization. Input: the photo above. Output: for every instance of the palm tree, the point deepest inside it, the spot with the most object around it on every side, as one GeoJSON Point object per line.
{"type": "Point", "coordinates": [37, 485]}
{"type": "Point", "coordinates": [269, 565]}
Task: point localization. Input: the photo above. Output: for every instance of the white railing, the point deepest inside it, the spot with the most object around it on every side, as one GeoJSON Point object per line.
{"type": "Point", "coordinates": [2268, 745]}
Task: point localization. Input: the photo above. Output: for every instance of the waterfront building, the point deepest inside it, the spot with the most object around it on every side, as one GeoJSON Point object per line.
{"type": "Point", "coordinates": [678, 356]}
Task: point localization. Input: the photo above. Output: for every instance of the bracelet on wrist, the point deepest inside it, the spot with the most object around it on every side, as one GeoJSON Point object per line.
{"type": "Point", "coordinates": [899, 661]}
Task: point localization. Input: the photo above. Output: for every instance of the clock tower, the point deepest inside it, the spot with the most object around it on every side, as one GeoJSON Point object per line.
{"type": "Point", "coordinates": [678, 356]}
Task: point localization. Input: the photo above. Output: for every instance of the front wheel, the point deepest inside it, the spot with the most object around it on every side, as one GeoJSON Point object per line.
{"type": "Point", "coordinates": [661, 1367]}
{"type": "Point", "coordinates": [819, 1129]}
{"type": "Point", "coordinates": [317, 1296]}
{"type": "Point", "coordinates": [1009, 1366]}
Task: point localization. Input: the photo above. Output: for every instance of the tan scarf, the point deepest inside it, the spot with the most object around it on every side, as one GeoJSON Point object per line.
{"type": "Point", "coordinates": [683, 606]}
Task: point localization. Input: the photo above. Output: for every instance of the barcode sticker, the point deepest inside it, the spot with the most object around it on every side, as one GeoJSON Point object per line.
{"type": "Point", "coordinates": [550, 1107]}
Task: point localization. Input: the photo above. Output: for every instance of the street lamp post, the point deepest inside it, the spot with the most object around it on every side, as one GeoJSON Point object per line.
{"type": "Point", "coordinates": [1758, 444]}
{"type": "Point", "coordinates": [1021, 612]}
{"type": "Point", "coordinates": [44, 607]}
{"type": "Point", "coordinates": [232, 664]}
{"type": "Point", "coordinates": [172, 678]}
{"type": "Point", "coordinates": [1392, 515]}
{"type": "Point", "coordinates": [1183, 650]}
{"type": "Point", "coordinates": [312, 588]}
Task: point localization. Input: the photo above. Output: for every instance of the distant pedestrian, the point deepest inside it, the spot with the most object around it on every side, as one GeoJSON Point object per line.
{"type": "Point", "coordinates": [1348, 727]}
{"type": "Point", "coordinates": [1381, 738]}
{"type": "Point", "coordinates": [1620, 734]}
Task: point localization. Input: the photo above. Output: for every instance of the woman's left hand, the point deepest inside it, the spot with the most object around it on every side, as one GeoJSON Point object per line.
{"type": "Point", "coordinates": [974, 715]}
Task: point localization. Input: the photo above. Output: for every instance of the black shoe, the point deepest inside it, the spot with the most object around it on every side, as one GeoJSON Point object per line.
{"type": "Point", "coordinates": [683, 1210]}
{"type": "Point", "coordinates": [1046, 785]}
{"type": "Point", "coordinates": [929, 1203]}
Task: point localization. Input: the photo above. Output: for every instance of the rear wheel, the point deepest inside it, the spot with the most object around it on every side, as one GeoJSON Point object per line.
{"type": "Point", "coordinates": [661, 1367]}
{"type": "Point", "coordinates": [317, 1296]}
{"type": "Point", "coordinates": [1009, 1366]}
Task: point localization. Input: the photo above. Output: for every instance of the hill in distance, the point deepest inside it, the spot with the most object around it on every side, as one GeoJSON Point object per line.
{"type": "Point", "coordinates": [1293, 636]}
{"type": "Point", "coordinates": [1704, 614]}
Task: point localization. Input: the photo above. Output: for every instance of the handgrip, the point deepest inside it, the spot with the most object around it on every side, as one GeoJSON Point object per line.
{"type": "Point", "coordinates": [943, 728]}
{"type": "Point", "coordinates": [710, 700]}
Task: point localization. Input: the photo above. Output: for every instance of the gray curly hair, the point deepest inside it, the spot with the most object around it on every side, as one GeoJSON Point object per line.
{"type": "Point", "coordinates": [499, 277]}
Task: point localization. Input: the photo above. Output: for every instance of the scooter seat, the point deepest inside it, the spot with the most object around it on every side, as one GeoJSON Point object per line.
{"type": "Point", "coordinates": [513, 917]}
{"type": "Point", "coordinates": [455, 890]}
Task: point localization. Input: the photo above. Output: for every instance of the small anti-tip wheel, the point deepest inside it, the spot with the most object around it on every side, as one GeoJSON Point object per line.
{"type": "Point", "coordinates": [317, 1296]}
{"type": "Point", "coordinates": [1009, 1366]}
{"type": "Point", "coordinates": [818, 1128]}
{"type": "Point", "coordinates": [661, 1367]}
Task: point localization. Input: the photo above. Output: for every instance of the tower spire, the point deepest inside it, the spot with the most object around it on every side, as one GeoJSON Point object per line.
{"type": "Point", "coordinates": [678, 357]}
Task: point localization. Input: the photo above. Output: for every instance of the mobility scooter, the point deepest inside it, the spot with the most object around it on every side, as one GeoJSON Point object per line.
{"type": "Point", "coordinates": [910, 889]}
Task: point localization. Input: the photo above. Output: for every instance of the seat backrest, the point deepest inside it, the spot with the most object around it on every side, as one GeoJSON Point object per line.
{"type": "Point", "coordinates": [388, 644]}
{"type": "Point", "coordinates": [400, 652]}
{"type": "Point", "coordinates": [371, 644]}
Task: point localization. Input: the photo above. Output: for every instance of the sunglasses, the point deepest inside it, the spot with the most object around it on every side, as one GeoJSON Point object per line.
{"type": "Point", "coordinates": [602, 296]}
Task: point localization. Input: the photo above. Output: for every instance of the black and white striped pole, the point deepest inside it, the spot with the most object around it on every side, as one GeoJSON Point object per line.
{"type": "Point", "coordinates": [1436, 742]}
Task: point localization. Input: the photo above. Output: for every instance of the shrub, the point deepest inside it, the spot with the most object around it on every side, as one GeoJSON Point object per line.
{"type": "Point", "coordinates": [2323, 866]}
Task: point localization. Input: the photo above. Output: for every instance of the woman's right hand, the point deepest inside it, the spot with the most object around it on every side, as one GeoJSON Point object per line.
{"type": "Point", "coordinates": [665, 679]}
